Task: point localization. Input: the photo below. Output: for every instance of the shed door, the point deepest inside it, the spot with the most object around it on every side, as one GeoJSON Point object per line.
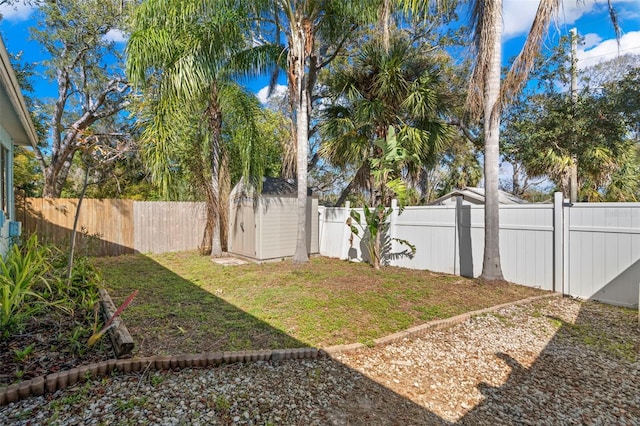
{"type": "Point", "coordinates": [243, 232]}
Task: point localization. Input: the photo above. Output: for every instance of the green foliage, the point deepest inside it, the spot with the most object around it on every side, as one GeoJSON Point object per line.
{"type": "Point", "coordinates": [385, 171]}
{"type": "Point", "coordinates": [33, 280]}
{"type": "Point", "coordinates": [22, 281]}
{"type": "Point", "coordinates": [27, 177]}
{"type": "Point", "coordinates": [398, 88]}
{"type": "Point", "coordinates": [81, 290]}
{"type": "Point", "coordinates": [23, 354]}
{"type": "Point", "coordinates": [376, 223]}
{"type": "Point", "coordinates": [91, 90]}
{"type": "Point", "coordinates": [544, 129]}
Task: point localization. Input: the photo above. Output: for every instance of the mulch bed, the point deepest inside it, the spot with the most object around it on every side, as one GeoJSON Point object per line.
{"type": "Point", "coordinates": [58, 342]}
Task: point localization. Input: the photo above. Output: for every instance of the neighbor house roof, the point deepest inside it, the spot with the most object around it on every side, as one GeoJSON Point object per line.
{"type": "Point", "coordinates": [15, 117]}
{"type": "Point", "coordinates": [475, 195]}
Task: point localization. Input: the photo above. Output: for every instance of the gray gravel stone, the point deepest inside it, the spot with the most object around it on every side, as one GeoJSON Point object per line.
{"type": "Point", "coordinates": [554, 362]}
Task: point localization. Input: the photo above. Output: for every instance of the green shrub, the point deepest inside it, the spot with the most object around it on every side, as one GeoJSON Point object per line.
{"type": "Point", "coordinates": [22, 281]}
{"type": "Point", "coordinates": [33, 277]}
{"type": "Point", "coordinates": [81, 291]}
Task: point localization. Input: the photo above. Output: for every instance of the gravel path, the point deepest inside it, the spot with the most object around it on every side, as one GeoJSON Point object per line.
{"type": "Point", "coordinates": [554, 362]}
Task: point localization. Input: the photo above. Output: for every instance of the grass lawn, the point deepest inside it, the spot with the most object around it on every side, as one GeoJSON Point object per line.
{"type": "Point", "coordinates": [186, 303]}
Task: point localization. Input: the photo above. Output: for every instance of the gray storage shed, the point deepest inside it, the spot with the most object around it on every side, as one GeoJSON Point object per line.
{"type": "Point", "coordinates": [264, 226]}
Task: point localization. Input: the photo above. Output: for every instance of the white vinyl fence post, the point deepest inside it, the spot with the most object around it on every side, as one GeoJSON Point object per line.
{"type": "Point", "coordinates": [558, 243]}
{"type": "Point", "coordinates": [566, 237]}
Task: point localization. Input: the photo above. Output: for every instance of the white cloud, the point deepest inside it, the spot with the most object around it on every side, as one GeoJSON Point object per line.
{"type": "Point", "coordinates": [591, 40]}
{"type": "Point", "coordinates": [518, 14]}
{"type": "Point", "coordinates": [278, 90]}
{"type": "Point", "coordinates": [608, 49]}
{"type": "Point", "coordinates": [116, 36]}
{"type": "Point", "coordinates": [17, 12]}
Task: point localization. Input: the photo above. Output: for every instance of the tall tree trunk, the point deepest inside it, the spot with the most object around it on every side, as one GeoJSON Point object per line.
{"type": "Point", "coordinates": [302, 139]}
{"type": "Point", "coordinates": [49, 187]}
{"type": "Point", "coordinates": [573, 168]}
{"type": "Point", "coordinates": [215, 126]}
{"type": "Point", "coordinates": [225, 190]}
{"type": "Point", "coordinates": [573, 180]}
{"type": "Point", "coordinates": [491, 268]}
{"type": "Point", "coordinates": [54, 179]}
{"type": "Point", "coordinates": [362, 173]}
{"type": "Point", "coordinates": [377, 243]}
{"type": "Point", "coordinates": [384, 24]}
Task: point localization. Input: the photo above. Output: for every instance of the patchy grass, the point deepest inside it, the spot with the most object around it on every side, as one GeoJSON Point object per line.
{"type": "Point", "coordinates": [594, 326]}
{"type": "Point", "coordinates": [186, 303]}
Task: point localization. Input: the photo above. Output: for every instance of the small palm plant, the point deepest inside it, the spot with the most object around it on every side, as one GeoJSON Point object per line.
{"type": "Point", "coordinates": [387, 180]}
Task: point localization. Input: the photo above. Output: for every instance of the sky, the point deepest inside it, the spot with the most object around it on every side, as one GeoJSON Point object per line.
{"type": "Point", "coordinates": [590, 17]}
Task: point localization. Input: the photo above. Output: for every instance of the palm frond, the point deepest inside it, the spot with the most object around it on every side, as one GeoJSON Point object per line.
{"type": "Point", "coordinates": [521, 67]}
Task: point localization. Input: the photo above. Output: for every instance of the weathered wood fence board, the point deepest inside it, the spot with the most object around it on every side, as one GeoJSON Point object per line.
{"type": "Point", "coordinates": [115, 227]}
{"type": "Point", "coordinates": [168, 226]}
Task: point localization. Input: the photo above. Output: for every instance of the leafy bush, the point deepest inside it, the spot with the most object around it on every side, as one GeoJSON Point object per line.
{"type": "Point", "coordinates": [80, 289]}
{"type": "Point", "coordinates": [33, 277]}
{"type": "Point", "coordinates": [22, 281]}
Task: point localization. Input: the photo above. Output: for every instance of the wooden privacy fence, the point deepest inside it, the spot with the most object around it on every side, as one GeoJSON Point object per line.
{"type": "Point", "coordinates": [115, 227]}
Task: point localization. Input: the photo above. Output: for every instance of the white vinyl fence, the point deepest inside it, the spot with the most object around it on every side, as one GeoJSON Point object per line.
{"type": "Point", "coordinates": [587, 250]}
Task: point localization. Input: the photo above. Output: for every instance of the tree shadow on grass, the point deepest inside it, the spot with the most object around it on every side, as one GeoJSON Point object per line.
{"type": "Point", "coordinates": [587, 373]}
{"type": "Point", "coordinates": [172, 315]}
{"type": "Point", "coordinates": [578, 377]}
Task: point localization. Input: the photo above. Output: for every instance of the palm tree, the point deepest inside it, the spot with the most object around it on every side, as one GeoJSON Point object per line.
{"type": "Point", "coordinates": [383, 86]}
{"type": "Point", "coordinates": [315, 31]}
{"type": "Point", "coordinates": [386, 89]}
{"type": "Point", "coordinates": [487, 95]}
{"type": "Point", "coordinates": [187, 46]}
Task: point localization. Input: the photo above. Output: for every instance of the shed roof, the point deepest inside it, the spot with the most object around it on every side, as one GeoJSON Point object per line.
{"type": "Point", "coordinates": [475, 195]}
{"type": "Point", "coordinates": [274, 187]}
{"type": "Point", "coordinates": [15, 117]}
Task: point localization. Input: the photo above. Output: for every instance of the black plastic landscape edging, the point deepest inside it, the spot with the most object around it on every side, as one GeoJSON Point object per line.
{"type": "Point", "coordinates": [63, 379]}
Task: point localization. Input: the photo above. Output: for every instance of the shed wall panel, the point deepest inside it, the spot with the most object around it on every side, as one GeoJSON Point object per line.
{"type": "Point", "coordinates": [277, 229]}
{"type": "Point", "coordinates": [278, 232]}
